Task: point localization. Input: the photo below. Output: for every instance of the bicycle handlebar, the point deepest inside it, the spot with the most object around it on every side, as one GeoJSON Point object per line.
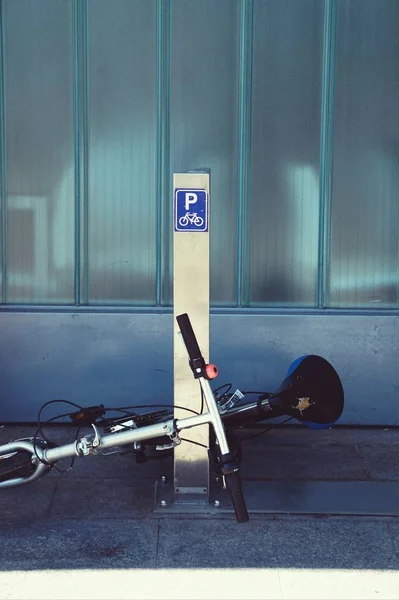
{"type": "Point", "coordinates": [197, 362]}
{"type": "Point", "coordinates": [233, 484]}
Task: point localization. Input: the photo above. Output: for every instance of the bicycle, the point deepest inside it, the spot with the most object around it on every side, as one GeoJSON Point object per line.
{"type": "Point", "coordinates": [311, 393]}
{"type": "Point", "coordinates": [192, 218]}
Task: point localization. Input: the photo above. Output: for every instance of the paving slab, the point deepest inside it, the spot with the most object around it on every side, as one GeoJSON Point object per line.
{"type": "Point", "coordinates": [381, 461]}
{"type": "Point", "coordinates": [340, 584]}
{"type": "Point", "coordinates": [78, 544]}
{"type": "Point", "coordinates": [289, 544]}
{"type": "Point", "coordinates": [393, 528]}
{"type": "Point", "coordinates": [27, 502]}
{"type": "Point", "coordinates": [339, 436]}
{"type": "Point", "coordinates": [202, 584]}
{"type": "Point", "coordinates": [102, 498]}
{"type": "Point", "coordinates": [143, 584]}
{"type": "Point", "coordinates": [303, 462]}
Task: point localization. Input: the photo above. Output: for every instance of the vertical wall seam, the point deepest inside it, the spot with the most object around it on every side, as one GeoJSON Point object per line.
{"type": "Point", "coordinates": [77, 157]}
{"type": "Point", "coordinates": [81, 152]}
{"type": "Point", "coordinates": [3, 163]}
{"type": "Point", "coordinates": [244, 149]}
{"type": "Point", "coordinates": [163, 236]}
{"type": "Point", "coordinates": [326, 149]}
{"type": "Point", "coordinates": [85, 155]}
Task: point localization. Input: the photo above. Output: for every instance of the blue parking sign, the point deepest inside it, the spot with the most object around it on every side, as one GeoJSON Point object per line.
{"type": "Point", "coordinates": [191, 210]}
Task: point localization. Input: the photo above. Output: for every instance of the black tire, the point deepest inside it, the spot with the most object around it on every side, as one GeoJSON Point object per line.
{"type": "Point", "coordinates": [16, 465]}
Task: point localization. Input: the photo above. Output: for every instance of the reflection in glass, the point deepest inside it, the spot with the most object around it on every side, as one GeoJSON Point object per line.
{"type": "Point", "coordinates": [38, 78]}
{"type": "Point", "coordinates": [122, 151]}
{"type": "Point", "coordinates": [365, 208]}
{"type": "Point", "coordinates": [204, 72]}
{"type": "Point", "coordinates": [285, 152]}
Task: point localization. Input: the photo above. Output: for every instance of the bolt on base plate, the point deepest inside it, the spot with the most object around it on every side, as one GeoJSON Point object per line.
{"type": "Point", "coordinates": [168, 501]}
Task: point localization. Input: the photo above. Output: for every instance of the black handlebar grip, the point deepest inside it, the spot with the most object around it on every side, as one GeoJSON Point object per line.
{"type": "Point", "coordinates": [233, 484]}
{"type": "Point", "coordinates": [189, 338]}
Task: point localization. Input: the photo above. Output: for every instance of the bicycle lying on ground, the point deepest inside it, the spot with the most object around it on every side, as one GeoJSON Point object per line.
{"type": "Point", "coordinates": [311, 393]}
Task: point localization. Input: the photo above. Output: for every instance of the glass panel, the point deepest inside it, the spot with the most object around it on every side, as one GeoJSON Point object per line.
{"type": "Point", "coordinates": [39, 137]}
{"type": "Point", "coordinates": [204, 68]}
{"type": "Point", "coordinates": [285, 152]}
{"type": "Point", "coordinates": [365, 207]}
{"type": "Point", "coordinates": [122, 151]}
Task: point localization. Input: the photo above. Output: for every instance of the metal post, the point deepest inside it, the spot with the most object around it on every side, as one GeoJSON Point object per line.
{"type": "Point", "coordinates": [191, 296]}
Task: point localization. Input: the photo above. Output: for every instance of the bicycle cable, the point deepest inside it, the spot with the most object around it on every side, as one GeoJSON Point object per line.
{"type": "Point", "coordinates": [122, 409]}
{"type": "Point", "coordinates": [202, 400]}
{"type": "Point", "coordinates": [48, 441]}
{"type": "Point", "coordinates": [194, 412]}
{"type": "Point", "coordinates": [196, 443]}
{"type": "Point", "coordinates": [250, 437]}
{"type": "Point", "coordinates": [225, 385]}
{"type": "Point", "coordinates": [261, 393]}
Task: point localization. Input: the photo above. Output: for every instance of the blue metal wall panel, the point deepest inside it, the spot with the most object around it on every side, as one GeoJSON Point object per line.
{"type": "Point", "coordinates": [123, 359]}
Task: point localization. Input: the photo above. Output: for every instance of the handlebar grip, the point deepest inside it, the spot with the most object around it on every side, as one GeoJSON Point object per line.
{"type": "Point", "coordinates": [233, 484]}
{"type": "Point", "coordinates": [189, 338]}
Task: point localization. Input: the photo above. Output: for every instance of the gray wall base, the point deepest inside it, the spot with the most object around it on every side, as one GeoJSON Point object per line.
{"type": "Point", "coordinates": [120, 359]}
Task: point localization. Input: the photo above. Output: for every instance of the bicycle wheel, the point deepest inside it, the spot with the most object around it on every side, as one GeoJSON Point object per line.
{"type": "Point", "coordinates": [17, 464]}
{"type": "Point", "coordinates": [183, 221]}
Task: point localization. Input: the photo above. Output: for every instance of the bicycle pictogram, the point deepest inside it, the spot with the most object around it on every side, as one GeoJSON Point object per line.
{"type": "Point", "coordinates": [191, 218]}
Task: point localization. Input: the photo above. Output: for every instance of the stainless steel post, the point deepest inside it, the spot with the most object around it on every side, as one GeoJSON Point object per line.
{"type": "Point", "coordinates": [191, 295]}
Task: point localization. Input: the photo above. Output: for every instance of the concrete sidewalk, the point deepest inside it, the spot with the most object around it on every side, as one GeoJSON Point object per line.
{"type": "Point", "coordinates": [92, 532]}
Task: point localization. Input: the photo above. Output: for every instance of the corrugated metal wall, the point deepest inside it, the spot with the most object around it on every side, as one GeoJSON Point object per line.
{"type": "Point", "coordinates": [292, 103]}
{"type": "Point", "coordinates": [294, 106]}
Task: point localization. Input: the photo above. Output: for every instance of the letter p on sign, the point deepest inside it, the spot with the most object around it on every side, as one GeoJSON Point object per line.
{"type": "Point", "coordinates": [191, 198]}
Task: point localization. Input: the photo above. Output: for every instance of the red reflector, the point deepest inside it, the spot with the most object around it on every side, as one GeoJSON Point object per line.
{"type": "Point", "coordinates": [211, 371]}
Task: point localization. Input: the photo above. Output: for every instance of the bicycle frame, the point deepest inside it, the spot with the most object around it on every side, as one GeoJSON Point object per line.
{"type": "Point", "coordinates": [236, 417]}
{"type": "Point", "coordinates": [94, 444]}
{"type": "Point", "coordinates": [44, 458]}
